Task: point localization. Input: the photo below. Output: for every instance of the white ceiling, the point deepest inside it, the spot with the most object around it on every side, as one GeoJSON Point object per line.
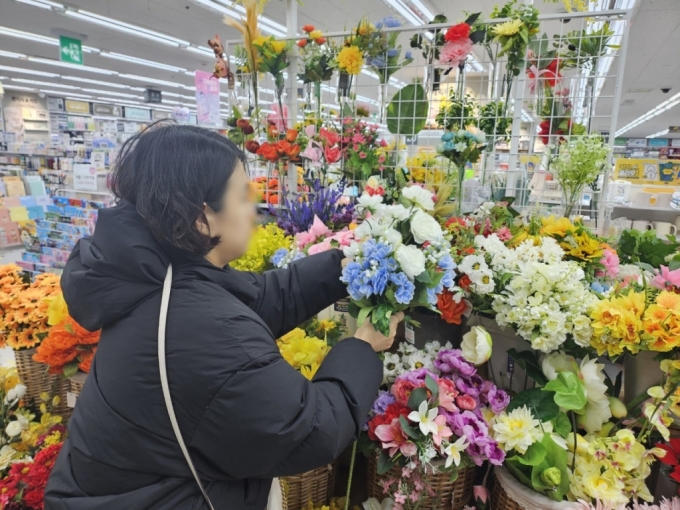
{"type": "Point", "coordinates": [651, 63]}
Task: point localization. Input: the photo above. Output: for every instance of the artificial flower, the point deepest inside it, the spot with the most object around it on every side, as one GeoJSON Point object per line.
{"type": "Point", "coordinates": [350, 60]}
{"type": "Point", "coordinates": [507, 29]}
{"type": "Point", "coordinates": [419, 196]}
{"type": "Point", "coordinates": [477, 345]}
{"type": "Point", "coordinates": [425, 228]}
{"type": "Point", "coordinates": [517, 430]}
{"type": "Point", "coordinates": [453, 451]}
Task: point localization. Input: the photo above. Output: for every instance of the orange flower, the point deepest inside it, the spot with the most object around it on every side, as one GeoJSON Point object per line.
{"type": "Point", "coordinates": [287, 149]}
{"type": "Point", "coordinates": [62, 345]}
{"type": "Point", "coordinates": [452, 312]}
{"type": "Point", "coordinates": [86, 358]}
{"type": "Point", "coordinates": [291, 135]}
{"type": "Point", "coordinates": [27, 339]}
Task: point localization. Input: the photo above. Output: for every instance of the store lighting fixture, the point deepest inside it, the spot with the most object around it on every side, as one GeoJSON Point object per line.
{"type": "Point", "coordinates": [71, 66]}
{"type": "Point", "coordinates": [99, 82]}
{"type": "Point", "coordinates": [663, 107]}
{"type": "Point", "coordinates": [29, 71]}
{"type": "Point", "coordinates": [267, 24]}
{"type": "Point", "coordinates": [152, 80]}
{"type": "Point", "coordinates": [120, 94]}
{"type": "Point", "coordinates": [45, 83]}
{"type": "Point", "coordinates": [11, 54]}
{"type": "Point", "coordinates": [125, 27]}
{"type": "Point", "coordinates": [39, 38]}
{"type": "Point", "coordinates": [17, 87]}
{"type": "Point", "coordinates": [201, 50]}
{"type": "Point", "coordinates": [141, 61]}
{"type": "Point", "coordinates": [65, 93]}
{"type": "Point", "coordinates": [660, 133]}
{"type": "Point", "coordinates": [43, 4]}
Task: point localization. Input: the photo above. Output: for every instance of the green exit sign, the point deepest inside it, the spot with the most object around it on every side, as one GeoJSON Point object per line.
{"type": "Point", "coordinates": [70, 50]}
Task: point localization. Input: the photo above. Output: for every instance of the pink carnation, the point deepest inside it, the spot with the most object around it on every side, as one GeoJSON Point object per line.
{"type": "Point", "coordinates": [504, 234]}
{"type": "Point", "coordinates": [610, 261]}
{"type": "Point", "coordinates": [455, 52]}
{"type": "Point", "coordinates": [666, 279]}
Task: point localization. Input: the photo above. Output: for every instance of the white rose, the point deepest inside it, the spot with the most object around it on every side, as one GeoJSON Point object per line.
{"type": "Point", "coordinates": [393, 238]}
{"type": "Point", "coordinates": [419, 196]}
{"type": "Point", "coordinates": [16, 393]}
{"type": "Point", "coordinates": [477, 345]}
{"type": "Point", "coordinates": [425, 228]}
{"type": "Point", "coordinates": [367, 201]}
{"type": "Point", "coordinates": [13, 429]}
{"type": "Point", "coordinates": [398, 212]}
{"type": "Point", "coordinates": [411, 260]}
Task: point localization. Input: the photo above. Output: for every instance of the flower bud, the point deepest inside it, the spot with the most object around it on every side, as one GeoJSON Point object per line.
{"type": "Point", "coordinates": [618, 408]}
{"type": "Point", "coordinates": [551, 477]}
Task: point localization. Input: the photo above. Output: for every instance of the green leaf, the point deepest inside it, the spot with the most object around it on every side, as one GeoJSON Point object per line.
{"type": "Point", "coordinates": [528, 361]}
{"type": "Point", "coordinates": [417, 397]}
{"type": "Point", "coordinates": [408, 430]}
{"type": "Point", "coordinates": [407, 112]}
{"type": "Point", "coordinates": [569, 391]}
{"type": "Point", "coordinates": [71, 369]}
{"type": "Point", "coordinates": [562, 425]}
{"type": "Point", "coordinates": [534, 455]}
{"type": "Point", "coordinates": [555, 456]}
{"type": "Point", "coordinates": [454, 475]}
{"type": "Point", "coordinates": [363, 314]}
{"type": "Point", "coordinates": [385, 463]}
{"type": "Point", "coordinates": [432, 386]}
{"type": "Point", "coordinates": [540, 403]}
{"type": "Point", "coordinates": [424, 277]}
{"type": "Point", "coordinates": [519, 471]}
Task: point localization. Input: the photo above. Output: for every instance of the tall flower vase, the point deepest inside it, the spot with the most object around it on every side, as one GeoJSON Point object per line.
{"type": "Point", "coordinates": [344, 84]}
{"type": "Point", "coordinates": [640, 373]}
{"type": "Point", "coordinates": [383, 92]}
{"type": "Point", "coordinates": [569, 201]}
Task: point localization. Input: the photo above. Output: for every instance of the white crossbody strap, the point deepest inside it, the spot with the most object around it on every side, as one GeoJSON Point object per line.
{"type": "Point", "coordinates": [165, 300]}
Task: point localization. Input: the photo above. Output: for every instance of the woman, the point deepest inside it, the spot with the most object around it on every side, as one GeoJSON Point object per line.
{"type": "Point", "coordinates": [245, 415]}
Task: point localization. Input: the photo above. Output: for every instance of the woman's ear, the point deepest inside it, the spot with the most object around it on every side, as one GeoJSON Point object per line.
{"type": "Point", "coordinates": [204, 220]}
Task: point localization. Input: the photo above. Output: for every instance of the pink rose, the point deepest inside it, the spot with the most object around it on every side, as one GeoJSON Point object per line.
{"type": "Point", "coordinates": [402, 389]}
{"type": "Point", "coordinates": [304, 238]}
{"type": "Point", "coordinates": [310, 130]}
{"type": "Point", "coordinates": [466, 402]}
{"type": "Point", "coordinates": [324, 245]}
{"type": "Point", "coordinates": [343, 238]}
{"type": "Point", "coordinates": [455, 52]}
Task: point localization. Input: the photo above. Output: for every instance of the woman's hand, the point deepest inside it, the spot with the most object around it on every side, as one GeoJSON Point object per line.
{"type": "Point", "coordinates": [378, 341]}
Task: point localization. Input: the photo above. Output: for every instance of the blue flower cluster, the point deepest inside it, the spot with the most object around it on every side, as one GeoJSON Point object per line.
{"type": "Point", "coordinates": [439, 252]}
{"type": "Point", "coordinates": [599, 287]}
{"type": "Point", "coordinates": [282, 257]}
{"type": "Point", "coordinates": [388, 22]}
{"type": "Point", "coordinates": [373, 270]}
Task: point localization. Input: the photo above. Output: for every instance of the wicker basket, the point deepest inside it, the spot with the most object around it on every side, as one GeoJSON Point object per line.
{"type": "Point", "coordinates": [317, 486]}
{"type": "Point", "coordinates": [33, 375]}
{"type": "Point", "coordinates": [507, 493]}
{"type": "Point", "coordinates": [77, 382]}
{"type": "Point", "coordinates": [448, 495]}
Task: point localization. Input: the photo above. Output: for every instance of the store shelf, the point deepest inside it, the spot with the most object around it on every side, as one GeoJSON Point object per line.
{"type": "Point", "coordinates": [645, 213]}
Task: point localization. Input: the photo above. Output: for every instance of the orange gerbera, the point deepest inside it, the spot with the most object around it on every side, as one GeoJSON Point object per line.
{"type": "Point", "coordinates": [86, 358]}
{"type": "Point", "coordinates": [26, 339]}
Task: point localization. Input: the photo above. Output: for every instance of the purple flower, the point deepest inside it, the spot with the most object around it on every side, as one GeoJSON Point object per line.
{"type": "Point", "coordinates": [417, 376]}
{"type": "Point", "coordinates": [476, 453]}
{"type": "Point", "coordinates": [495, 455]}
{"type": "Point", "coordinates": [468, 425]}
{"type": "Point", "coordinates": [471, 385]}
{"type": "Point", "coordinates": [384, 399]}
{"type": "Point", "coordinates": [498, 400]}
{"type": "Point", "coordinates": [451, 361]}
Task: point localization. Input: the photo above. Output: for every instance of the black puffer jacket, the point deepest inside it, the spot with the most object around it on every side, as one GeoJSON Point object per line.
{"type": "Point", "coordinates": [245, 414]}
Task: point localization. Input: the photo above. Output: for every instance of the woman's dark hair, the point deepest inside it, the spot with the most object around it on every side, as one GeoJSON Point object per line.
{"type": "Point", "coordinates": [168, 172]}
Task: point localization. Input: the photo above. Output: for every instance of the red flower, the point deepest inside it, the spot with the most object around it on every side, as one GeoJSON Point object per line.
{"type": "Point", "coordinates": [302, 43]}
{"type": "Point", "coordinates": [457, 32]}
{"type": "Point", "coordinates": [333, 154]}
{"type": "Point", "coordinates": [252, 146]}
{"type": "Point", "coordinates": [308, 28]}
{"type": "Point", "coordinates": [287, 149]}
{"type": "Point", "coordinates": [330, 137]}
{"type": "Point", "coordinates": [464, 282]}
{"type": "Point", "coordinates": [452, 312]}
{"type": "Point", "coordinates": [393, 411]}
{"type": "Point", "coordinates": [268, 151]}
{"type": "Point", "coordinates": [320, 40]}
{"type": "Point", "coordinates": [466, 402]}
{"type": "Point", "coordinates": [672, 449]}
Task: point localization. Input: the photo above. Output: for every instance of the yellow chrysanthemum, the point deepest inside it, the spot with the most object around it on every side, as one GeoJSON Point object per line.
{"type": "Point", "coordinates": [508, 28]}
{"type": "Point", "coordinates": [350, 60]}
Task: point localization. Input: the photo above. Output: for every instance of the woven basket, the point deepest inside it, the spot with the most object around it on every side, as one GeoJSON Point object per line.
{"type": "Point", "coordinates": [317, 486]}
{"type": "Point", "coordinates": [448, 495]}
{"type": "Point", "coordinates": [33, 375]}
{"type": "Point", "coordinates": [508, 493]}
{"type": "Point", "coordinates": [77, 382]}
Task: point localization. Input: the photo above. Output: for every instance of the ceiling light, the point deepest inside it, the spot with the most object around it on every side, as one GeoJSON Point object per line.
{"type": "Point", "coordinates": [49, 84]}
{"type": "Point", "coordinates": [235, 11]}
{"type": "Point", "coordinates": [141, 61]}
{"type": "Point", "coordinates": [660, 133]}
{"type": "Point", "coordinates": [424, 10]}
{"type": "Point", "coordinates": [16, 87]}
{"type": "Point", "coordinates": [64, 93]}
{"type": "Point", "coordinates": [97, 91]}
{"type": "Point", "coordinates": [71, 66]}
{"type": "Point", "coordinates": [11, 54]}
{"type": "Point", "coordinates": [43, 4]}
{"type": "Point", "coordinates": [29, 71]}
{"type": "Point", "coordinates": [407, 13]}
{"type": "Point", "coordinates": [151, 80]}
{"type": "Point", "coordinates": [666, 105]}
{"type": "Point", "coordinates": [201, 50]}
{"type": "Point", "coordinates": [125, 27]}
{"type": "Point", "coordinates": [96, 82]}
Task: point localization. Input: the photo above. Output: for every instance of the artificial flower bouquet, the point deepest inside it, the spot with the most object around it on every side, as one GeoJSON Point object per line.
{"type": "Point", "coordinates": [264, 243]}
{"type": "Point", "coordinates": [385, 53]}
{"type": "Point", "coordinates": [304, 353]}
{"type": "Point", "coordinates": [434, 417]}
{"type": "Point", "coordinates": [459, 41]}
{"type": "Point", "coordinates": [399, 258]}
{"type": "Point", "coordinates": [323, 148]}
{"type": "Point", "coordinates": [360, 144]}
{"type": "Point", "coordinates": [25, 307]}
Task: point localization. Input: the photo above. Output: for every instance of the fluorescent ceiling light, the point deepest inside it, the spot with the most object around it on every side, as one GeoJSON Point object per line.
{"type": "Point", "coordinates": [16, 87]}
{"type": "Point", "coordinates": [151, 80]}
{"type": "Point", "coordinates": [110, 93]}
{"type": "Point", "coordinates": [71, 66]}
{"type": "Point", "coordinates": [660, 133]}
{"type": "Point", "coordinates": [29, 71]}
{"type": "Point", "coordinates": [407, 13]}
{"type": "Point", "coordinates": [11, 54]}
{"type": "Point", "coordinates": [125, 27]}
{"type": "Point", "coordinates": [424, 10]}
{"type": "Point", "coordinates": [666, 105]}
{"type": "Point", "coordinates": [43, 4]}
{"type": "Point", "coordinates": [64, 93]}
{"type": "Point", "coordinates": [45, 83]}
{"type": "Point", "coordinates": [141, 61]}
{"type": "Point", "coordinates": [38, 38]}
{"type": "Point", "coordinates": [201, 51]}
{"type": "Point", "coordinates": [99, 82]}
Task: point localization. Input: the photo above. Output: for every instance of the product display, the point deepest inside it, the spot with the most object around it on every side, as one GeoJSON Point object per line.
{"type": "Point", "coordinates": [498, 190]}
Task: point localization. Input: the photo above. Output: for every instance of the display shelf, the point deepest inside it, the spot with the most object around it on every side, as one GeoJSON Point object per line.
{"type": "Point", "coordinates": [645, 213]}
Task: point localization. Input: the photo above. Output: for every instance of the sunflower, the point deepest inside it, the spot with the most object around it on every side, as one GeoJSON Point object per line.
{"type": "Point", "coordinates": [507, 29]}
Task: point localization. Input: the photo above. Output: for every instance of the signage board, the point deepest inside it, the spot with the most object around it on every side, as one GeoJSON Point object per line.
{"type": "Point", "coordinates": [137, 113]}
{"type": "Point", "coordinates": [77, 106]}
{"type": "Point", "coordinates": [108, 110]}
{"type": "Point", "coordinates": [55, 104]}
{"type": "Point", "coordinates": [84, 177]}
{"type": "Point", "coordinates": [70, 50]}
{"type": "Point", "coordinates": [153, 96]}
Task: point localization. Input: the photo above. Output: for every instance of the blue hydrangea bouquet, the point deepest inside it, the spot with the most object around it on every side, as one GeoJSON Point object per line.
{"type": "Point", "coordinates": [400, 257]}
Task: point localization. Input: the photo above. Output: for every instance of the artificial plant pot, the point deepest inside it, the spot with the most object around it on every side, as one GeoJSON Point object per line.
{"type": "Point", "coordinates": [316, 486]}
{"type": "Point", "coordinates": [432, 327]}
{"type": "Point", "coordinates": [509, 494]}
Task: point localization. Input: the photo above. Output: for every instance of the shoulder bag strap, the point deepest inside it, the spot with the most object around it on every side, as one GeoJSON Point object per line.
{"type": "Point", "coordinates": [165, 300]}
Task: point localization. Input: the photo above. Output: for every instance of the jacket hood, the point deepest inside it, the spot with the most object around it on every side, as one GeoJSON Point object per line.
{"type": "Point", "coordinates": [109, 274]}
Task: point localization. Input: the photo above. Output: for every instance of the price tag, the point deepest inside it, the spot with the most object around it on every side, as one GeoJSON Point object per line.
{"type": "Point", "coordinates": [71, 399]}
{"type": "Point", "coordinates": [410, 333]}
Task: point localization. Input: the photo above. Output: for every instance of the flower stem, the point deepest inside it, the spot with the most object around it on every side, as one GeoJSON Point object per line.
{"type": "Point", "coordinates": [573, 430]}
{"type": "Point", "coordinates": [351, 472]}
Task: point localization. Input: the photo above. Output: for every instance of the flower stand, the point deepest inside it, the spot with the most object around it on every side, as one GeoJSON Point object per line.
{"type": "Point", "coordinates": [502, 368]}
{"type": "Point", "coordinates": [640, 372]}
{"type": "Point", "coordinates": [448, 495]}
{"type": "Point", "coordinates": [317, 486]}
{"type": "Point", "coordinates": [509, 494]}
{"type": "Point", "coordinates": [432, 327]}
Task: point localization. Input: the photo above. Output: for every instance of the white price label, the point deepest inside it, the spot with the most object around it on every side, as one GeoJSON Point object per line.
{"type": "Point", "coordinates": [71, 399]}
{"type": "Point", "coordinates": [410, 333]}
